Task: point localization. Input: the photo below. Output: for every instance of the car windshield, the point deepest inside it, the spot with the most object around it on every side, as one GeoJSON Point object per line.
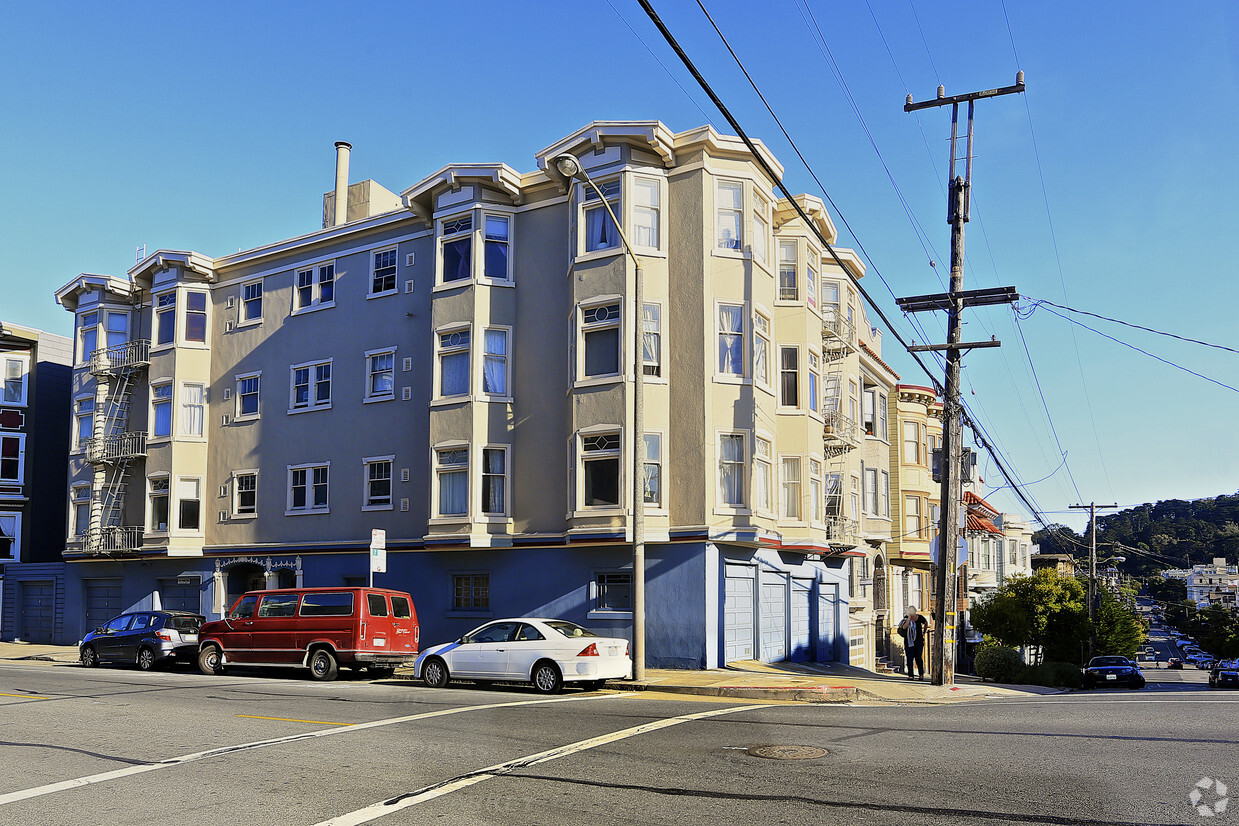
{"type": "Point", "coordinates": [185, 622]}
{"type": "Point", "coordinates": [569, 629]}
{"type": "Point", "coordinates": [1100, 662]}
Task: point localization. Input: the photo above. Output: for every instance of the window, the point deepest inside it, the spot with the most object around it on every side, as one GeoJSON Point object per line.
{"type": "Point", "coordinates": [600, 341]}
{"type": "Point", "coordinates": [165, 318]}
{"type": "Point", "coordinates": [874, 412]}
{"type": "Point", "coordinates": [157, 496]}
{"type": "Point", "coordinates": [912, 444]}
{"type": "Point", "coordinates": [731, 339]}
{"type": "Point", "coordinates": [815, 490]}
{"type": "Point", "coordinates": [452, 475]}
{"type": "Point", "coordinates": [14, 373]}
{"type": "Point", "coordinates": [987, 559]}
{"type": "Point", "coordinates": [245, 493]}
{"type": "Point", "coordinates": [789, 377]}
{"type": "Point", "coordinates": [311, 386]}
{"type": "Point", "coordinates": [307, 488]}
{"type": "Point", "coordinates": [761, 228]}
{"type": "Point", "coordinates": [653, 469]}
{"type": "Point", "coordinates": [12, 458]}
{"type": "Point", "coordinates": [1011, 546]}
{"type": "Point", "coordinates": [830, 300]}
{"type": "Point", "coordinates": [600, 231]}
{"type": "Point", "coordinates": [810, 286]}
{"type": "Point", "coordinates": [495, 481]}
{"type": "Point", "coordinates": [913, 525]}
{"type": "Point", "coordinates": [454, 363]}
{"type": "Point", "coordinates": [731, 469]}
{"type": "Point", "coordinates": [161, 409]}
{"type": "Point", "coordinates": [761, 349]}
{"type": "Point", "coordinates": [789, 498]}
{"type": "Point", "coordinates": [383, 276]}
{"type": "Point", "coordinates": [814, 398]}
{"type": "Point", "coordinates": [495, 362]}
{"type": "Point", "coordinates": [853, 401]}
{"type": "Point", "coordinates": [248, 392]}
{"type": "Point", "coordinates": [10, 535]}
{"type": "Point", "coordinates": [600, 470]}
{"type": "Point", "coordinates": [79, 510]}
{"type": "Point", "coordinates": [652, 339]}
{"type": "Point", "coordinates": [195, 317]}
{"type": "Point", "coordinates": [834, 495]}
{"type": "Point", "coordinates": [316, 287]}
{"type": "Point", "coordinates": [192, 408]}
{"type": "Point", "coordinates": [456, 246]}
{"type": "Point", "coordinates": [377, 483]}
{"type": "Point", "coordinates": [251, 302]}
{"type": "Point", "coordinates": [645, 212]}
{"type": "Point", "coordinates": [498, 262]}
{"type": "Point", "coordinates": [88, 335]}
{"type": "Point", "coordinates": [871, 490]}
{"type": "Point", "coordinates": [883, 425]}
{"type": "Point", "coordinates": [84, 414]}
{"type": "Point", "coordinates": [614, 592]}
{"type": "Point", "coordinates": [761, 474]}
{"type": "Point", "coordinates": [854, 498]}
{"type": "Point", "coordinates": [381, 375]}
{"type": "Point", "coordinates": [729, 204]}
{"type": "Point", "coordinates": [189, 504]}
{"type": "Point", "coordinates": [117, 329]}
{"type": "Point", "coordinates": [471, 592]}
{"type": "Point", "coordinates": [788, 290]}
{"type": "Point", "coordinates": [885, 493]}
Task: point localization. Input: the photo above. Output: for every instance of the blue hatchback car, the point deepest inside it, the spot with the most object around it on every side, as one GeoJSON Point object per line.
{"type": "Point", "coordinates": [144, 638]}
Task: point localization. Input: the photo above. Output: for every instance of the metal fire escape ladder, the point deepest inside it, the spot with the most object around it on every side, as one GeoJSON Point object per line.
{"type": "Point", "coordinates": [842, 433]}
{"type": "Point", "coordinates": [118, 449]}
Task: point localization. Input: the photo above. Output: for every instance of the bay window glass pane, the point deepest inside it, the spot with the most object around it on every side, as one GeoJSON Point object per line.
{"type": "Point", "coordinates": [497, 247]}
{"type": "Point", "coordinates": [731, 339]}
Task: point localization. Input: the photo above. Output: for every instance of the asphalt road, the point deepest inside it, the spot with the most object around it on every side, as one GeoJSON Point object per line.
{"type": "Point", "coordinates": [117, 746]}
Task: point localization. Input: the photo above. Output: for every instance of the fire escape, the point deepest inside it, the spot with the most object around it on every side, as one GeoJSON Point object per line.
{"type": "Point", "coordinates": [114, 449]}
{"type": "Point", "coordinates": [842, 433]}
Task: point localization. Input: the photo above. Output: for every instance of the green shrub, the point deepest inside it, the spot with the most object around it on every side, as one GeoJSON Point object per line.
{"type": "Point", "coordinates": [1053, 675]}
{"type": "Point", "coordinates": [998, 663]}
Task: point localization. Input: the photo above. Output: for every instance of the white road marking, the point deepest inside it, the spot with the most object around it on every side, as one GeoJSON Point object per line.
{"type": "Point", "coordinates": [103, 777]}
{"type": "Point", "coordinates": [395, 804]}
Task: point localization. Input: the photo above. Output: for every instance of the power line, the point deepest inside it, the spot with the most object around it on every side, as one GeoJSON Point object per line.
{"type": "Point", "coordinates": [1039, 301]}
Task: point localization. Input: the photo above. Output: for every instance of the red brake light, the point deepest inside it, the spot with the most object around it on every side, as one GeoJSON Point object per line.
{"type": "Point", "coordinates": [591, 650]}
{"type": "Point", "coordinates": [628, 650]}
{"type": "Point", "coordinates": [165, 636]}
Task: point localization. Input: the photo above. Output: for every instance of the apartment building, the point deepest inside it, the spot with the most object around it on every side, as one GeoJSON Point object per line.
{"type": "Point", "coordinates": [455, 366]}
{"type": "Point", "coordinates": [34, 424]}
{"type": "Point", "coordinates": [1213, 583]}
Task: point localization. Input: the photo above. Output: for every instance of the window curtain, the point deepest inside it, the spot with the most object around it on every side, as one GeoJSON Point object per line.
{"type": "Point", "coordinates": [495, 364]}
{"type": "Point", "coordinates": [493, 481]}
{"type": "Point", "coordinates": [456, 259]}
{"type": "Point", "coordinates": [384, 380]}
{"type": "Point", "coordinates": [651, 344]}
{"type": "Point", "coordinates": [453, 496]}
{"type": "Point", "coordinates": [455, 370]}
{"type": "Point", "coordinates": [600, 231]}
{"type": "Point", "coordinates": [761, 485]}
{"type": "Point", "coordinates": [730, 340]}
{"type": "Point", "coordinates": [730, 464]}
{"type": "Point", "coordinates": [191, 410]}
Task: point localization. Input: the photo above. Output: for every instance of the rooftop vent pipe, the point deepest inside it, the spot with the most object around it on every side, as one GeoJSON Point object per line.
{"type": "Point", "coordinates": [342, 150]}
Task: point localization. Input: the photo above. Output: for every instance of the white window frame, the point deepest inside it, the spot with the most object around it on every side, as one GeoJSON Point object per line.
{"type": "Point", "coordinates": [795, 374]}
{"type": "Point", "coordinates": [817, 500]}
{"type": "Point", "coordinates": [394, 275]}
{"type": "Point", "coordinates": [791, 489]}
{"type": "Point", "coordinates": [440, 470]}
{"type": "Point", "coordinates": [19, 478]}
{"type": "Point", "coordinates": [638, 231]}
{"type": "Point", "coordinates": [80, 417]}
{"type": "Point", "coordinates": [487, 241]}
{"type": "Point", "coordinates": [600, 454]}
{"type": "Point", "coordinates": [83, 329]}
{"type": "Point", "coordinates": [240, 379]}
{"type": "Point", "coordinates": [450, 230]}
{"type": "Point", "coordinates": [237, 513]}
{"type": "Point", "coordinates": [248, 302]}
{"type": "Point", "coordinates": [652, 330]}
{"type": "Point", "coordinates": [813, 392]}
{"type": "Point", "coordinates": [871, 494]}
{"type": "Point", "coordinates": [884, 493]}
{"type": "Point", "coordinates": [449, 350]}
{"type": "Point", "coordinates": [721, 505]}
{"type": "Point", "coordinates": [316, 272]}
{"type": "Point", "coordinates": [183, 485]}
{"type": "Point", "coordinates": [310, 482]}
{"type": "Point", "coordinates": [170, 512]}
{"type": "Point", "coordinates": [760, 244]}
{"type": "Point", "coordinates": [588, 200]}
{"type": "Point", "coordinates": [183, 301]}
{"type": "Point", "coordinates": [312, 382]}
{"type": "Point", "coordinates": [15, 553]}
{"type": "Point", "coordinates": [735, 215]}
{"type": "Point", "coordinates": [913, 517]}
{"type": "Point", "coordinates": [155, 403]}
{"type": "Point", "coordinates": [370, 395]}
{"type": "Point", "coordinates": [762, 343]}
{"type": "Point", "coordinates": [655, 460]}
{"type": "Point", "coordinates": [763, 469]}
{"type": "Point", "coordinates": [728, 377]}
{"type": "Point", "coordinates": [584, 328]}
{"type": "Point", "coordinates": [165, 305]}
{"type": "Point", "coordinates": [22, 360]}
{"type": "Point", "coordinates": [506, 357]}
{"type": "Point", "coordinates": [184, 409]}
{"type": "Point", "coordinates": [505, 478]}
{"type": "Point", "coordinates": [367, 490]}
{"type": "Point", "coordinates": [79, 494]}
{"type": "Point", "coordinates": [788, 266]}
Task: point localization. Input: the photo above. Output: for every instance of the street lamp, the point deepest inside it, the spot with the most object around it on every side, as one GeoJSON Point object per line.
{"type": "Point", "coordinates": [570, 167]}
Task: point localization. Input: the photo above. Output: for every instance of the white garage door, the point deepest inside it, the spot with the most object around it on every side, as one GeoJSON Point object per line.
{"type": "Point", "coordinates": [802, 636]}
{"type": "Point", "coordinates": [773, 617]}
{"type": "Point", "coordinates": [738, 613]}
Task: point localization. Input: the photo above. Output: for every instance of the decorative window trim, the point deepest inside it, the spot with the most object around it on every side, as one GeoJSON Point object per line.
{"type": "Point", "coordinates": [315, 287]}
{"type": "Point", "coordinates": [658, 507]}
{"type": "Point", "coordinates": [162, 303]}
{"type": "Point", "coordinates": [599, 455]}
{"type": "Point", "coordinates": [150, 527]}
{"type": "Point", "coordinates": [584, 327]}
{"type": "Point", "coordinates": [660, 208]}
{"type": "Point", "coordinates": [309, 507]}
{"type": "Point", "coordinates": [586, 200]}
{"type": "Point", "coordinates": [439, 470]}
{"type": "Point", "coordinates": [23, 379]}
{"type": "Point", "coordinates": [799, 517]}
{"type": "Point", "coordinates": [437, 396]}
{"type": "Point", "coordinates": [183, 300]}
{"type": "Point", "coordinates": [722, 507]}
{"type": "Point", "coordinates": [746, 332]}
{"type": "Point", "coordinates": [170, 401]}
{"type": "Point", "coordinates": [20, 476]}
{"type": "Point", "coordinates": [312, 384]}
{"type": "Point", "coordinates": [769, 507]}
{"type": "Point", "coordinates": [77, 530]}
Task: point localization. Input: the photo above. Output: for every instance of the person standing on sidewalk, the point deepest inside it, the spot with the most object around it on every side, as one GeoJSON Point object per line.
{"type": "Point", "coordinates": [912, 628]}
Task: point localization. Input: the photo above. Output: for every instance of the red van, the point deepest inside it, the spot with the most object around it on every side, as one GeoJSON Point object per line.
{"type": "Point", "coordinates": [320, 629]}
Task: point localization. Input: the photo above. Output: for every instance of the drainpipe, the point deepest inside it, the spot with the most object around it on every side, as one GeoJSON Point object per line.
{"type": "Point", "coordinates": [342, 150]}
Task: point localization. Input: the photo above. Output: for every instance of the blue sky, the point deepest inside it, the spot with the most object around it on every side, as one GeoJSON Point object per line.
{"type": "Point", "coordinates": [1109, 187]}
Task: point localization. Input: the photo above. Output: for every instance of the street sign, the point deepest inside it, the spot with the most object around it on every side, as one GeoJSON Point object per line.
{"type": "Point", "coordinates": [378, 551]}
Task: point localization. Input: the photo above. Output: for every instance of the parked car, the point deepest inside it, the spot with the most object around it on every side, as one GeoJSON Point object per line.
{"type": "Point", "coordinates": [1225, 674]}
{"type": "Point", "coordinates": [322, 629]}
{"type": "Point", "coordinates": [1112, 670]}
{"type": "Point", "coordinates": [145, 638]}
{"type": "Point", "coordinates": [1206, 663]}
{"type": "Point", "coordinates": [545, 652]}
{"type": "Point", "coordinates": [1197, 658]}
{"type": "Point", "coordinates": [1174, 662]}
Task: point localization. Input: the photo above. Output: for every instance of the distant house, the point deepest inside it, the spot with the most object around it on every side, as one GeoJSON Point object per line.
{"type": "Point", "coordinates": [1063, 563]}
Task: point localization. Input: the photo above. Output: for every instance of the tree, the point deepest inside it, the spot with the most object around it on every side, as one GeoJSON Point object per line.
{"type": "Point", "coordinates": [1059, 539]}
{"type": "Point", "coordinates": [1047, 609]}
{"type": "Point", "coordinates": [1119, 629]}
{"type": "Point", "coordinates": [1217, 631]}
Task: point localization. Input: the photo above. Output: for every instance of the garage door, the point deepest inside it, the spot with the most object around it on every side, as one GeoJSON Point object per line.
{"type": "Point", "coordinates": [38, 602]}
{"type": "Point", "coordinates": [102, 602]}
{"type": "Point", "coordinates": [802, 632]}
{"type": "Point", "coordinates": [181, 594]}
{"type": "Point", "coordinates": [827, 611]}
{"type": "Point", "coordinates": [773, 617]}
{"type": "Point", "coordinates": [738, 613]}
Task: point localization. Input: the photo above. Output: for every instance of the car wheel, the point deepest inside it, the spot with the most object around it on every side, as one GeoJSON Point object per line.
{"type": "Point", "coordinates": [146, 659]}
{"type": "Point", "coordinates": [546, 678]}
{"type": "Point", "coordinates": [89, 658]}
{"type": "Point", "coordinates": [323, 665]}
{"type": "Point", "coordinates": [434, 673]}
{"type": "Point", "coordinates": [210, 661]}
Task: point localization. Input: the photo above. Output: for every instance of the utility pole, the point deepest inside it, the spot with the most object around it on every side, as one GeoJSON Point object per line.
{"type": "Point", "coordinates": [943, 653]}
{"type": "Point", "coordinates": [1092, 508]}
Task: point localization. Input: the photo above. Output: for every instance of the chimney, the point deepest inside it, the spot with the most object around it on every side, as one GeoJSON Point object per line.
{"type": "Point", "coordinates": [342, 149]}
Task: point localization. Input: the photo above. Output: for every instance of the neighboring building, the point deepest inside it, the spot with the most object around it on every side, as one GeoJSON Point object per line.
{"type": "Point", "coordinates": [454, 367]}
{"type": "Point", "coordinates": [34, 426]}
{"type": "Point", "coordinates": [1063, 563]}
{"type": "Point", "coordinates": [1213, 583]}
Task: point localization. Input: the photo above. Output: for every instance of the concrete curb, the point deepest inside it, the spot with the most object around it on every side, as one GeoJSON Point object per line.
{"type": "Point", "coordinates": [815, 694]}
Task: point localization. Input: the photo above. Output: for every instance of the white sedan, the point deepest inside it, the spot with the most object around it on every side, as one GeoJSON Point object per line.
{"type": "Point", "coordinates": [545, 652]}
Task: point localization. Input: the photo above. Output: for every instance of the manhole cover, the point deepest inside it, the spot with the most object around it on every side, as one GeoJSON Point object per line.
{"type": "Point", "coordinates": [787, 752]}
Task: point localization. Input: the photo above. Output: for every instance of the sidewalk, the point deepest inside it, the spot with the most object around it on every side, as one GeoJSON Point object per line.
{"type": "Point", "coordinates": [748, 680]}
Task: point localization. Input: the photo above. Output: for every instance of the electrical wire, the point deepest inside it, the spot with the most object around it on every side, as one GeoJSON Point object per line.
{"type": "Point", "coordinates": [1035, 302]}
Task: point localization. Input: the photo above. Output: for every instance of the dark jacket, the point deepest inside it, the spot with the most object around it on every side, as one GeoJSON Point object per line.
{"type": "Point", "coordinates": [914, 636]}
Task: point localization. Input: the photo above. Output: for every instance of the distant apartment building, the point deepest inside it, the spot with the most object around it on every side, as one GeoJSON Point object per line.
{"type": "Point", "coordinates": [34, 426]}
{"type": "Point", "coordinates": [454, 365]}
{"type": "Point", "coordinates": [1214, 583]}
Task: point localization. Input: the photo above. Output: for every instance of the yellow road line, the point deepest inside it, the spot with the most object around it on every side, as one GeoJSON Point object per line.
{"type": "Point", "coordinates": [24, 696]}
{"type": "Point", "coordinates": [290, 720]}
